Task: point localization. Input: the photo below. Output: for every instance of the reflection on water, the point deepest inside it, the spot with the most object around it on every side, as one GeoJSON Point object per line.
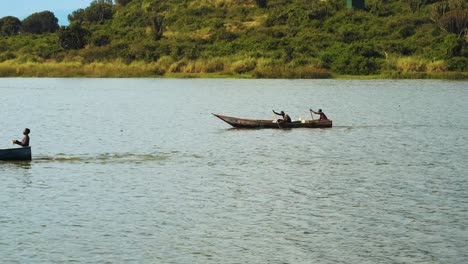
{"type": "Point", "coordinates": [18, 164]}
{"type": "Point", "coordinates": [104, 158]}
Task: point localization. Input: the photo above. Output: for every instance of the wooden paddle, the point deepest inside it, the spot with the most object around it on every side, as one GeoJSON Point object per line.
{"type": "Point", "coordinates": [275, 120]}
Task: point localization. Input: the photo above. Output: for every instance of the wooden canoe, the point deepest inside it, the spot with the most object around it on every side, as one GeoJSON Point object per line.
{"type": "Point", "coordinates": [16, 154]}
{"type": "Point", "coordinates": [256, 123]}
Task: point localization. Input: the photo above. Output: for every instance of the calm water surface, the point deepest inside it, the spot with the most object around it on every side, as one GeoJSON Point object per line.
{"type": "Point", "coordinates": [139, 171]}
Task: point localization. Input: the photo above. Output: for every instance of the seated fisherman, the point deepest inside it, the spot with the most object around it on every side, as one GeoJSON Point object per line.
{"type": "Point", "coordinates": [322, 114]}
{"type": "Point", "coordinates": [25, 141]}
{"type": "Point", "coordinates": [286, 118]}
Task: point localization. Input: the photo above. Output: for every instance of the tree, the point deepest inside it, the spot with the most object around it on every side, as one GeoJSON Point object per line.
{"type": "Point", "coordinates": [156, 11]}
{"type": "Point", "coordinates": [451, 16]}
{"type": "Point", "coordinates": [9, 26]}
{"type": "Point", "coordinates": [98, 11]}
{"type": "Point", "coordinates": [42, 22]}
{"type": "Point", "coordinates": [156, 23]}
{"type": "Point", "coordinates": [261, 3]}
{"type": "Point", "coordinates": [415, 5]}
{"type": "Point", "coordinates": [101, 38]}
{"type": "Point", "coordinates": [122, 2]}
{"type": "Point", "coordinates": [76, 16]}
{"type": "Point", "coordinates": [455, 21]}
{"type": "Point", "coordinates": [72, 37]}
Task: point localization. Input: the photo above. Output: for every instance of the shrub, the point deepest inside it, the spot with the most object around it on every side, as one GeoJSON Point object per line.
{"type": "Point", "coordinates": [458, 64]}
{"type": "Point", "coordinates": [411, 64]}
{"type": "Point", "coordinates": [437, 66]}
{"type": "Point", "coordinates": [165, 62]}
{"type": "Point", "coordinates": [355, 59]}
{"type": "Point", "coordinates": [261, 3]}
{"type": "Point", "coordinates": [243, 66]}
{"type": "Point", "coordinates": [101, 39]}
{"type": "Point", "coordinates": [7, 56]}
{"type": "Point", "coordinates": [72, 37]}
{"type": "Point", "coordinates": [213, 65]}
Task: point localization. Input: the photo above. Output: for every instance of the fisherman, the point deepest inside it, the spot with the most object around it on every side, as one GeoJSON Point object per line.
{"type": "Point", "coordinates": [322, 114]}
{"type": "Point", "coordinates": [286, 118]}
{"type": "Point", "coordinates": [25, 141]}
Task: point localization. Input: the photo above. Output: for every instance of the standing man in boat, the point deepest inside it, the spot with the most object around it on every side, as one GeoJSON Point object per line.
{"type": "Point", "coordinates": [25, 141]}
{"type": "Point", "coordinates": [322, 114]}
{"type": "Point", "coordinates": [286, 118]}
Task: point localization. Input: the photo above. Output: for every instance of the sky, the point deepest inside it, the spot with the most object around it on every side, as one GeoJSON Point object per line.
{"type": "Point", "coordinates": [23, 8]}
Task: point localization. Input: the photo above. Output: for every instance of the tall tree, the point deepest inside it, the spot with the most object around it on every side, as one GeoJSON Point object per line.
{"type": "Point", "coordinates": [122, 2]}
{"type": "Point", "coordinates": [42, 22]}
{"type": "Point", "coordinates": [76, 16]}
{"type": "Point", "coordinates": [156, 23]}
{"type": "Point", "coordinates": [9, 26]}
{"type": "Point", "coordinates": [72, 37]}
{"type": "Point", "coordinates": [261, 3]}
{"type": "Point", "coordinates": [455, 22]}
{"type": "Point", "coordinates": [451, 16]}
{"type": "Point", "coordinates": [156, 11]}
{"type": "Point", "coordinates": [98, 11]}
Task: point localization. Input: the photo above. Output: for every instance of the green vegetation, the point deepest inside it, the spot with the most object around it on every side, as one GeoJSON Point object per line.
{"type": "Point", "coordinates": [242, 38]}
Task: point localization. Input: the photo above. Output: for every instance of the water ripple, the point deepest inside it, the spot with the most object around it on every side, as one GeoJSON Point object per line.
{"type": "Point", "coordinates": [104, 158]}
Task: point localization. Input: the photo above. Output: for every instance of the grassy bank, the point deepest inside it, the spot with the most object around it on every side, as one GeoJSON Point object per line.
{"type": "Point", "coordinates": [214, 68]}
{"type": "Point", "coordinates": [165, 67]}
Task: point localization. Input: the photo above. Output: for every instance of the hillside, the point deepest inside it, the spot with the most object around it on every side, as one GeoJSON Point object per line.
{"type": "Point", "coordinates": [245, 38]}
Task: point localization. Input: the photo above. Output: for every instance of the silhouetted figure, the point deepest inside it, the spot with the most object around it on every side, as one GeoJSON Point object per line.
{"type": "Point", "coordinates": [322, 114]}
{"type": "Point", "coordinates": [25, 141]}
{"type": "Point", "coordinates": [286, 118]}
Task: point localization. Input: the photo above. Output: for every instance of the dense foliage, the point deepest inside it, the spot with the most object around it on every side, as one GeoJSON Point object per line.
{"type": "Point", "coordinates": [39, 23]}
{"type": "Point", "coordinates": [9, 26]}
{"type": "Point", "coordinates": [263, 38]}
{"type": "Point", "coordinates": [72, 37]}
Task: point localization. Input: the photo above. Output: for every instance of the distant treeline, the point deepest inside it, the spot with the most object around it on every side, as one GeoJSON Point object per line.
{"type": "Point", "coordinates": [247, 38]}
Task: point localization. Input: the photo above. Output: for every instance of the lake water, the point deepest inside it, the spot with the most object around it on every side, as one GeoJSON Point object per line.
{"type": "Point", "coordinates": [139, 171]}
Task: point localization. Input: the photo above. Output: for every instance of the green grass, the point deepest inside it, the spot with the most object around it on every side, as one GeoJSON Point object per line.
{"type": "Point", "coordinates": [197, 69]}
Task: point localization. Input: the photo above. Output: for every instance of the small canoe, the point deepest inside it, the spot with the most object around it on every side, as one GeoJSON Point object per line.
{"type": "Point", "coordinates": [256, 123]}
{"type": "Point", "coordinates": [16, 154]}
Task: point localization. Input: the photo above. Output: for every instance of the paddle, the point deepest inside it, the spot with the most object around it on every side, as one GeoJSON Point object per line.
{"type": "Point", "coordinates": [310, 110]}
{"type": "Point", "coordinates": [275, 120]}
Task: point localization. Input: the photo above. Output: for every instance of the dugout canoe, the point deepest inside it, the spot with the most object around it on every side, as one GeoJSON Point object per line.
{"type": "Point", "coordinates": [258, 123]}
{"type": "Point", "coordinates": [23, 153]}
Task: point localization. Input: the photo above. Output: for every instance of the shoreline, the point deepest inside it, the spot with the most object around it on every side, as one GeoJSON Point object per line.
{"type": "Point", "coordinates": [141, 70]}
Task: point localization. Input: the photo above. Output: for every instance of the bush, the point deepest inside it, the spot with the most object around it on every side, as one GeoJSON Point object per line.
{"type": "Point", "coordinates": [355, 59]}
{"type": "Point", "coordinates": [122, 2]}
{"type": "Point", "coordinates": [261, 3]}
{"type": "Point", "coordinates": [457, 64]}
{"type": "Point", "coordinates": [101, 39]}
{"type": "Point", "coordinates": [437, 66]}
{"type": "Point", "coordinates": [73, 37]}
{"type": "Point", "coordinates": [411, 64]}
{"type": "Point", "coordinates": [7, 56]}
{"type": "Point", "coordinates": [243, 66]}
